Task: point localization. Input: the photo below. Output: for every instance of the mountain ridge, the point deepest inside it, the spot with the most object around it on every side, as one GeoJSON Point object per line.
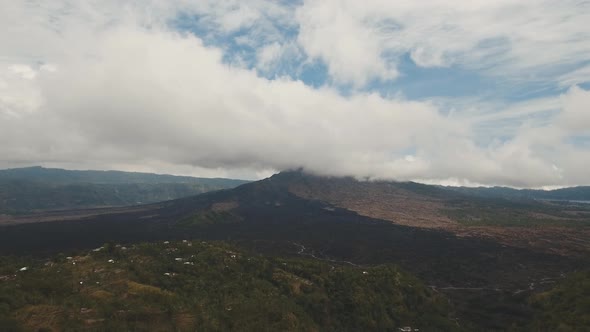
{"type": "Point", "coordinates": [34, 189]}
{"type": "Point", "coordinates": [98, 176]}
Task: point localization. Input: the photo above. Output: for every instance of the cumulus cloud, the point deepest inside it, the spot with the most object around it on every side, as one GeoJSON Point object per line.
{"type": "Point", "coordinates": [278, 59]}
{"type": "Point", "coordinates": [352, 51]}
{"type": "Point", "coordinates": [575, 118]}
{"type": "Point", "coordinates": [124, 89]}
{"type": "Point", "coordinates": [146, 93]}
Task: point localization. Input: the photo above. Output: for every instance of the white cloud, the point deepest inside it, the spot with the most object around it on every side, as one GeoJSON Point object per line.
{"type": "Point", "coordinates": [269, 55]}
{"type": "Point", "coordinates": [24, 71]}
{"type": "Point", "coordinates": [257, 21]}
{"type": "Point", "coordinates": [101, 85]}
{"type": "Point", "coordinates": [330, 31]}
{"type": "Point", "coordinates": [279, 59]}
{"type": "Point", "coordinates": [577, 76]}
{"type": "Point", "coordinates": [575, 118]}
{"type": "Point", "coordinates": [361, 40]}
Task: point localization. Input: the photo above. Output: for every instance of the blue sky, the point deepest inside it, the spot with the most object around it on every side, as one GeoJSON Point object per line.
{"type": "Point", "coordinates": [414, 81]}
{"type": "Point", "coordinates": [452, 92]}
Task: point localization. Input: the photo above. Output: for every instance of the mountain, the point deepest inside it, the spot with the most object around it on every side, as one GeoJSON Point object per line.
{"type": "Point", "coordinates": [541, 225]}
{"type": "Point", "coordinates": [581, 193]}
{"type": "Point", "coordinates": [421, 205]}
{"type": "Point", "coordinates": [31, 189]}
{"type": "Point", "coordinates": [488, 256]}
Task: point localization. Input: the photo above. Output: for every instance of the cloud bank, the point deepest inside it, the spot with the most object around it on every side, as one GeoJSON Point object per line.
{"type": "Point", "coordinates": [105, 85]}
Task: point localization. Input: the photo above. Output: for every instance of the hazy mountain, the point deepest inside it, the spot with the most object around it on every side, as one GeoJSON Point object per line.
{"type": "Point", "coordinates": [25, 190]}
{"type": "Point", "coordinates": [581, 193]}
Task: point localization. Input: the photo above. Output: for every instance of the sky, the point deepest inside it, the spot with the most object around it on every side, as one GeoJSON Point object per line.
{"type": "Point", "coordinates": [452, 92]}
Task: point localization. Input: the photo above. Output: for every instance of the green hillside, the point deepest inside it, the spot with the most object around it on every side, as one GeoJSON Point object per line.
{"type": "Point", "coordinates": [565, 307]}
{"type": "Point", "coordinates": [187, 286]}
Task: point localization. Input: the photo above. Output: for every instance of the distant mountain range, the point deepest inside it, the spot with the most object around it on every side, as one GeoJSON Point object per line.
{"type": "Point", "coordinates": [580, 193]}
{"type": "Point", "coordinates": [31, 189]}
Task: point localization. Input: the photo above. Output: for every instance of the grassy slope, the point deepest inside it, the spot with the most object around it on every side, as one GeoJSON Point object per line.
{"type": "Point", "coordinates": [220, 288]}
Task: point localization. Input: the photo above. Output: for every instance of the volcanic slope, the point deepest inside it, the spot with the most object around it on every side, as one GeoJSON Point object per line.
{"type": "Point", "coordinates": [555, 227]}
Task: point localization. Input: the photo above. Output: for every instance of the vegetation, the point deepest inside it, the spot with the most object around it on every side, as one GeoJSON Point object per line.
{"type": "Point", "coordinates": [210, 286]}
{"type": "Point", "coordinates": [565, 307]}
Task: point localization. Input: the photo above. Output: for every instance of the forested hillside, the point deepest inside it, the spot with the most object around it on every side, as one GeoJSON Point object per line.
{"type": "Point", "coordinates": [188, 285]}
